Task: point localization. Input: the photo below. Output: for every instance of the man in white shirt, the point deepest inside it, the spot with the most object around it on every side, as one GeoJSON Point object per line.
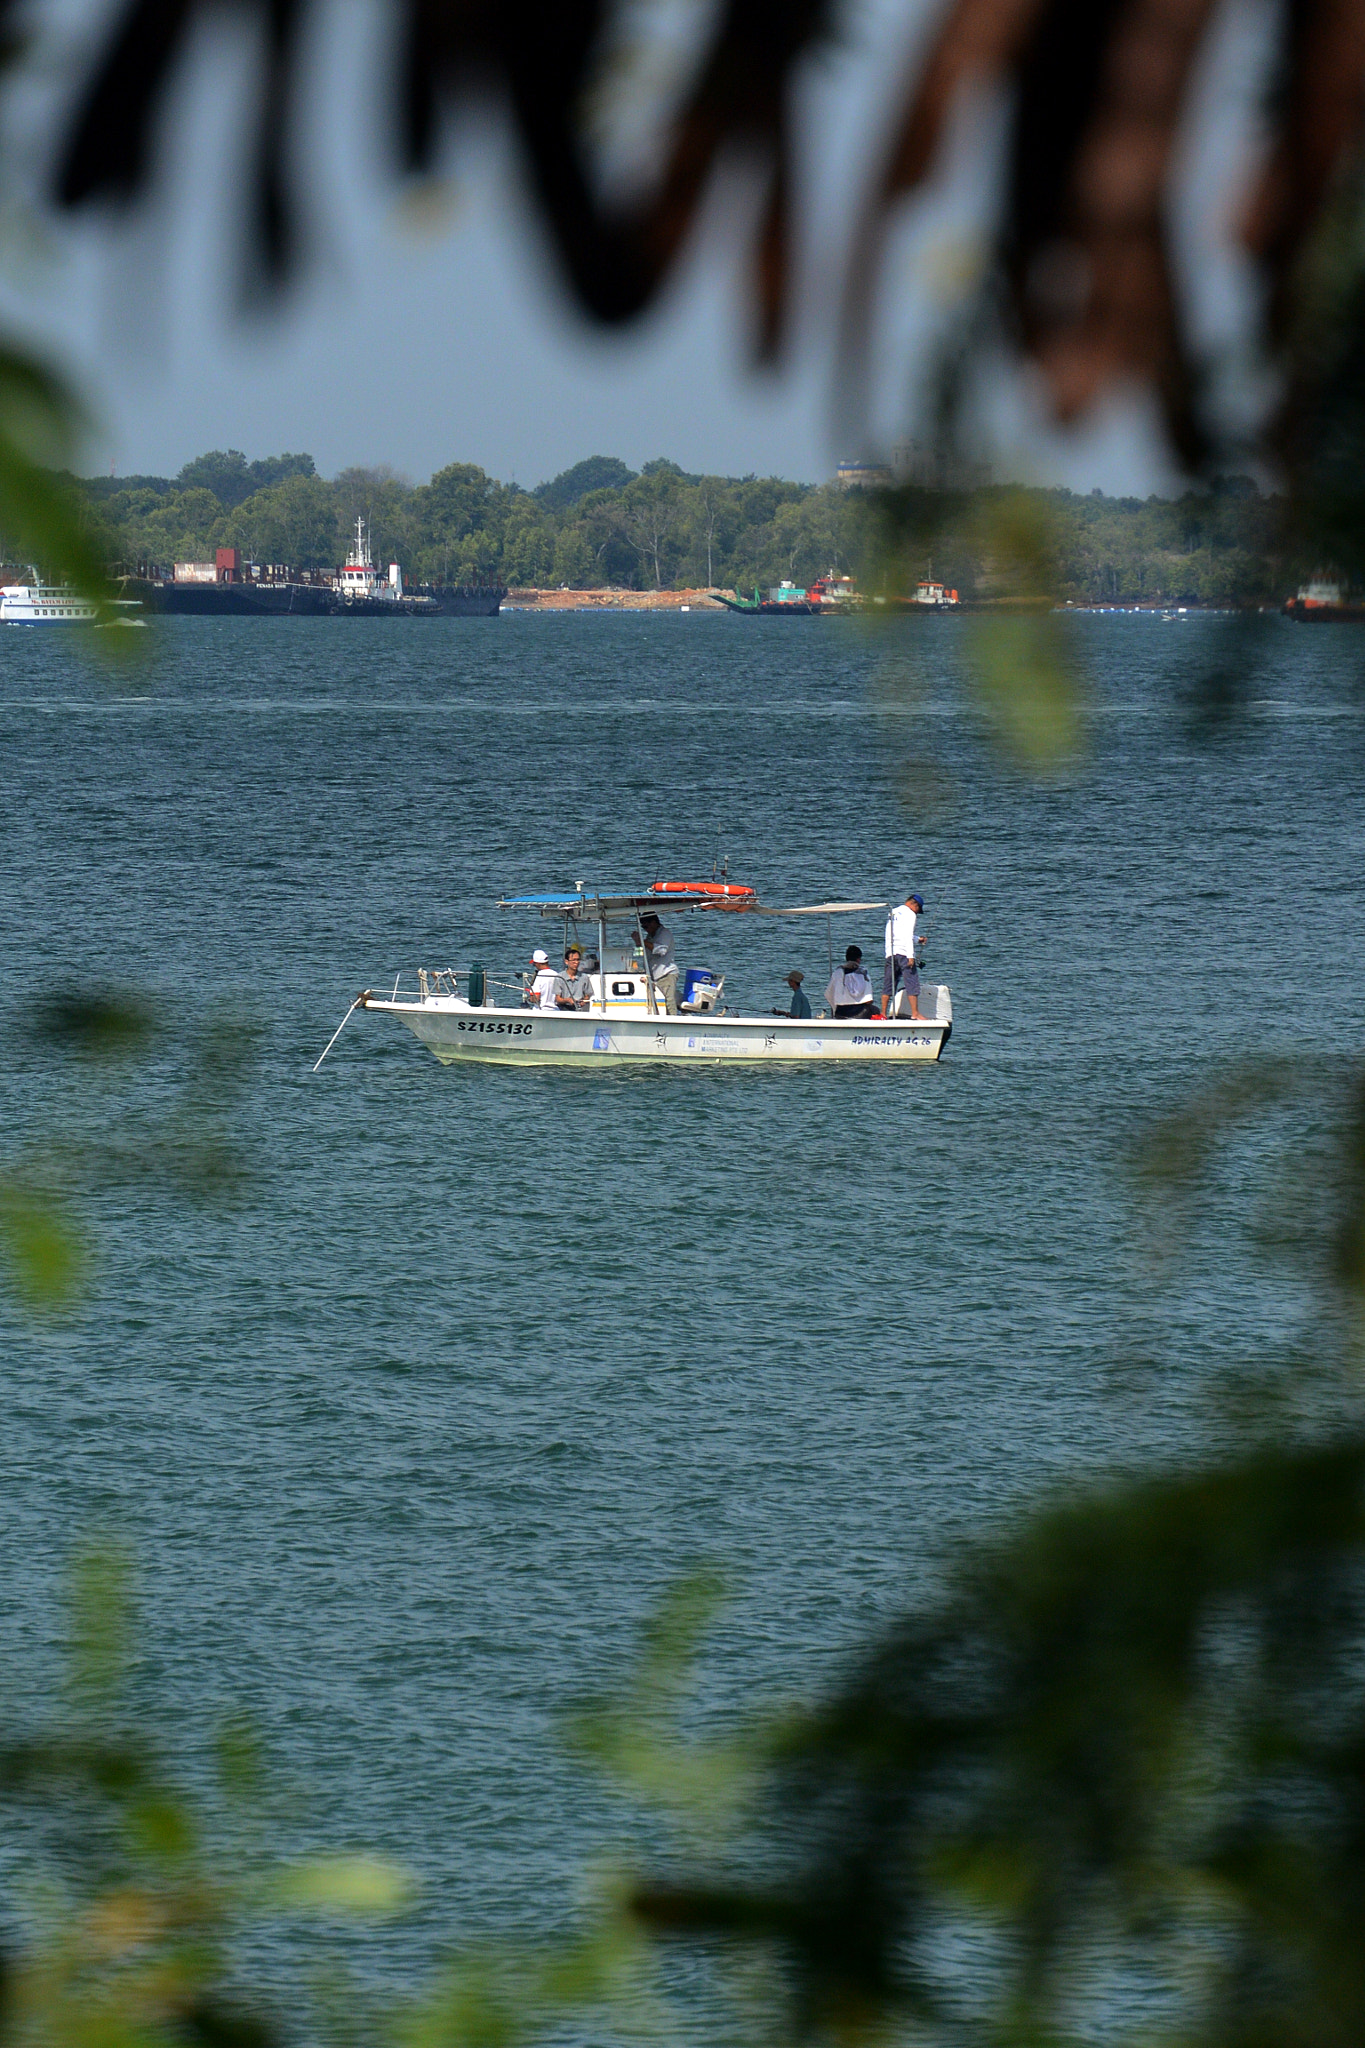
{"type": "Point", "coordinates": [541, 993]}
{"type": "Point", "coordinates": [663, 962]}
{"type": "Point", "coordinates": [900, 954]}
{"type": "Point", "coordinates": [850, 990]}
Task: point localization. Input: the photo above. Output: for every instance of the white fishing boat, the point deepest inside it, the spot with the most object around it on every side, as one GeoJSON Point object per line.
{"type": "Point", "coordinates": [468, 1015]}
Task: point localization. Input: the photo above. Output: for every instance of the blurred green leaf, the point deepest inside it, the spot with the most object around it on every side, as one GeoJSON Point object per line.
{"type": "Point", "coordinates": [1175, 1150]}
{"type": "Point", "coordinates": [1026, 683]}
{"type": "Point", "coordinates": [101, 1604]}
{"type": "Point", "coordinates": [40, 420]}
{"type": "Point", "coordinates": [95, 1024]}
{"type": "Point", "coordinates": [240, 1757]}
{"type": "Point", "coordinates": [45, 1252]}
{"type": "Point", "coordinates": [635, 1735]}
{"type": "Point", "coordinates": [498, 1997]}
{"type": "Point", "coordinates": [364, 1885]}
{"type": "Point", "coordinates": [1350, 1236]}
{"type": "Point", "coordinates": [160, 1827]}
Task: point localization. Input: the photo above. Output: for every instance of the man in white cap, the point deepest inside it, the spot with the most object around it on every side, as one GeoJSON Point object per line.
{"type": "Point", "coordinates": [540, 995]}
{"type": "Point", "coordinates": [900, 955]}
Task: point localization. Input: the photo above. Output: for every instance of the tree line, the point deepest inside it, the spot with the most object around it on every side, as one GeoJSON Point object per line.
{"type": "Point", "coordinates": [601, 523]}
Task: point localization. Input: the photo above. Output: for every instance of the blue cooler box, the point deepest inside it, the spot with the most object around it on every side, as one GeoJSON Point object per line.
{"type": "Point", "coordinates": [699, 987]}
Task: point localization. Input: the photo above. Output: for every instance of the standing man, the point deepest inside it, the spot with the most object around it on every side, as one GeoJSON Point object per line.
{"type": "Point", "coordinates": [573, 989]}
{"type": "Point", "coordinates": [900, 954]}
{"type": "Point", "coordinates": [663, 963]}
{"type": "Point", "coordinates": [800, 1005]}
{"type": "Point", "coordinates": [541, 993]}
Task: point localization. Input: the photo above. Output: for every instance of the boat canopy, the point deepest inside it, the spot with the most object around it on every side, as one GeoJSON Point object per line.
{"type": "Point", "coordinates": [818, 909]}
{"type": "Point", "coordinates": [620, 902]}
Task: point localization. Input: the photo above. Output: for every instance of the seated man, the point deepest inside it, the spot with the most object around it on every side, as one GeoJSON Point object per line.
{"type": "Point", "coordinates": [540, 993]}
{"type": "Point", "coordinates": [573, 989]}
{"type": "Point", "coordinates": [800, 1007]}
{"type": "Point", "coordinates": [850, 991]}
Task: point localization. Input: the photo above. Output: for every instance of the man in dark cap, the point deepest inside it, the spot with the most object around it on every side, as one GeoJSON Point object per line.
{"type": "Point", "coordinates": [900, 955]}
{"type": "Point", "coordinates": [663, 962]}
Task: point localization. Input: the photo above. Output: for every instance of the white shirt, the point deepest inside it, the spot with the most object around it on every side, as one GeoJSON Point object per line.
{"type": "Point", "coordinates": [900, 932]}
{"type": "Point", "coordinates": [662, 958]}
{"type": "Point", "coordinates": [848, 985]}
{"type": "Point", "coordinates": [543, 988]}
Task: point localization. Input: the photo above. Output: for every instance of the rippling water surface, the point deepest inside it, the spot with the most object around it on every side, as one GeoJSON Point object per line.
{"type": "Point", "coordinates": [409, 1440]}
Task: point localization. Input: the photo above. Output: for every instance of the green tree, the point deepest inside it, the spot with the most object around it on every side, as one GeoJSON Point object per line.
{"type": "Point", "coordinates": [225, 472]}
{"type": "Point", "coordinates": [649, 520]}
{"type": "Point", "coordinates": [293, 522]}
{"type": "Point", "coordinates": [597, 473]}
{"type": "Point", "coordinates": [529, 545]}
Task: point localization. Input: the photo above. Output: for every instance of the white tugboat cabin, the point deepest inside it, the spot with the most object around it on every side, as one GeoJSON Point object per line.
{"type": "Point", "coordinates": [358, 578]}
{"type": "Point", "coordinates": [468, 1015]}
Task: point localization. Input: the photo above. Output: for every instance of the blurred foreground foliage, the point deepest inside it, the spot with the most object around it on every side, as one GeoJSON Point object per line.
{"type": "Point", "coordinates": [43, 515]}
{"type": "Point", "coordinates": [111, 1144]}
{"type": "Point", "coordinates": [1109, 1784]}
{"type": "Point", "coordinates": [126, 1893]}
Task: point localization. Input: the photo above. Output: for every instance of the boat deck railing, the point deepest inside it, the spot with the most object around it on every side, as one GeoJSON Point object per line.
{"type": "Point", "coordinates": [451, 981]}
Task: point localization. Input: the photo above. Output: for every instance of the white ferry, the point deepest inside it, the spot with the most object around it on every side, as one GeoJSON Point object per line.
{"type": "Point", "coordinates": [44, 604]}
{"type": "Point", "coordinates": [461, 1016]}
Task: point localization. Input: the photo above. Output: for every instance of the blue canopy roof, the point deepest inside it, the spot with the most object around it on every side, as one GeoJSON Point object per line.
{"type": "Point", "coordinates": [590, 898]}
{"type": "Point", "coordinates": [623, 902]}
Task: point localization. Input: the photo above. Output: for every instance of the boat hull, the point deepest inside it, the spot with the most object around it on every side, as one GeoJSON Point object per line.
{"type": "Point", "coordinates": [1324, 614]}
{"type": "Point", "coordinates": [769, 608]}
{"type": "Point", "coordinates": [240, 600]}
{"type": "Point", "coordinates": [455, 1032]}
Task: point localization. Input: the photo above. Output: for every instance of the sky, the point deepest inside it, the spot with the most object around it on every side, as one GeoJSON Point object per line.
{"type": "Point", "coordinates": [431, 329]}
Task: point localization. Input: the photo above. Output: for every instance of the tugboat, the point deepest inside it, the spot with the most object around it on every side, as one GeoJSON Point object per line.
{"type": "Point", "coordinates": [1323, 602]}
{"type": "Point", "coordinates": [361, 589]}
{"type": "Point", "coordinates": [787, 600]}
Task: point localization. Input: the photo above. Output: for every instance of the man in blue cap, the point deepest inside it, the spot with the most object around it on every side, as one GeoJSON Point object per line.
{"type": "Point", "coordinates": [900, 955]}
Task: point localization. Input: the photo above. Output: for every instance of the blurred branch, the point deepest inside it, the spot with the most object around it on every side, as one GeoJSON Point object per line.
{"type": "Point", "coordinates": [1100, 95]}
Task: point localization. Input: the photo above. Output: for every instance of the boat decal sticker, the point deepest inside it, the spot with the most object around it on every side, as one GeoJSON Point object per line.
{"type": "Point", "coordinates": [506, 1026]}
{"type": "Point", "coordinates": [886, 1038]}
{"type": "Point", "coordinates": [601, 1041]}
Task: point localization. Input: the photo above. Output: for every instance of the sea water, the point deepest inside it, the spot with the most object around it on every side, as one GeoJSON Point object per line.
{"type": "Point", "coordinates": [410, 1434]}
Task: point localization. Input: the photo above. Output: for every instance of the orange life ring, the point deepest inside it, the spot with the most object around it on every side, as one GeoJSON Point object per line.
{"type": "Point", "coordinates": [701, 889]}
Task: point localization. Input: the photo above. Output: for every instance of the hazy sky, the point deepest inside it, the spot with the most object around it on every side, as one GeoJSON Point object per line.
{"type": "Point", "coordinates": [434, 332]}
